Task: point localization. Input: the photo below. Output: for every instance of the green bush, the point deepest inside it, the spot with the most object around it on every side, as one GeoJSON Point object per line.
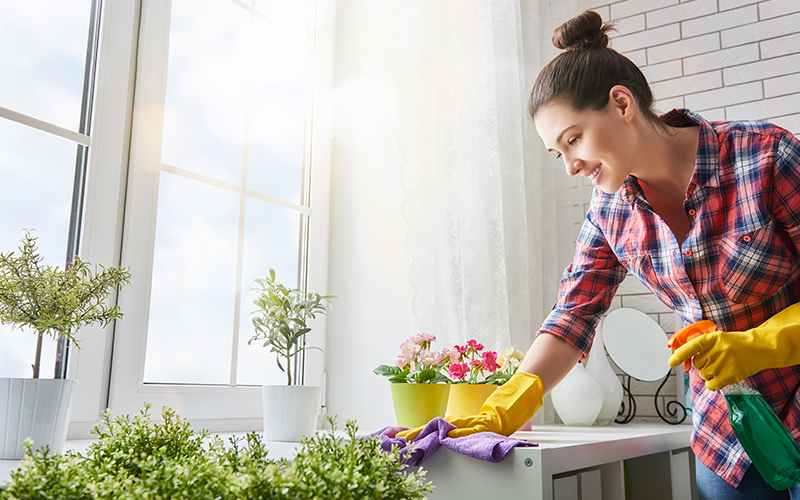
{"type": "Point", "coordinates": [133, 458]}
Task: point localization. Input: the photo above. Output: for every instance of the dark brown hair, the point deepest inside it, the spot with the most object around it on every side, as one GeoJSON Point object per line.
{"type": "Point", "coordinates": [585, 72]}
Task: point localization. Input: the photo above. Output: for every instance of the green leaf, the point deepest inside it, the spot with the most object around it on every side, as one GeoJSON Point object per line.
{"type": "Point", "coordinates": [387, 370]}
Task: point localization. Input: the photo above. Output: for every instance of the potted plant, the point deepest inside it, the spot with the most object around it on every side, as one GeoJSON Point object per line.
{"type": "Point", "coordinates": [476, 373]}
{"type": "Point", "coordinates": [281, 321]}
{"type": "Point", "coordinates": [56, 303]}
{"type": "Point", "coordinates": [419, 386]}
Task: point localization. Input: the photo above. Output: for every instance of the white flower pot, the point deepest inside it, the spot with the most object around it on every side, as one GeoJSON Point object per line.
{"type": "Point", "coordinates": [290, 411]}
{"type": "Point", "coordinates": [38, 409]}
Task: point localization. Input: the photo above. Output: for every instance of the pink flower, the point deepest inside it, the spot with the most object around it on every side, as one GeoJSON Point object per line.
{"type": "Point", "coordinates": [476, 362]}
{"type": "Point", "coordinates": [428, 358]}
{"type": "Point", "coordinates": [490, 361]}
{"type": "Point", "coordinates": [408, 350]}
{"type": "Point", "coordinates": [427, 337]}
{"type": "Point", "coordinates": [458, 371]}
{"type": "Point", "coordinates": [400, 363]}
{"type": "Point", "coordinates": [452, 354]}
{"type": "Point", "coordinates": [462, 349]}
{"type": "Point", "coordinates": [475, 345]}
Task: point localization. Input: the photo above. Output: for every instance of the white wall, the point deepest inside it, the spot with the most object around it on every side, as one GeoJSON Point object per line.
{"type": "Point", "coordinates": [369, 264]}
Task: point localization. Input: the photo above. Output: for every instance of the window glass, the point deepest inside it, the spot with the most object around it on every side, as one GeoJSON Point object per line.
{"type": "Point", "coordinates": [271, 241]}
{"type": "Point", "coordinates": [206, 88]}
{"type": "Point", "coordinates": [277, 114]}
{"type": "Point", "coordinates": [194, 269]}
{"type": "Point", "coordinates": [229, 200]}
{"type": "Point", "coordinates": [43, 45]}
{"type": "Point", "coordinates": [291, 16]}
{"type": "Point", "coordinates": [36, 178]}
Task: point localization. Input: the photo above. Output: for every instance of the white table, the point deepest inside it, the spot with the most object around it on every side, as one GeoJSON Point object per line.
{"type": "Point", "coordinates": [651, 461]}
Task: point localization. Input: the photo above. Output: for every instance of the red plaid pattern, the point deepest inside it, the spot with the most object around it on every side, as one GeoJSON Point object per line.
{"type": "Point", "coordinates": [738, 266]}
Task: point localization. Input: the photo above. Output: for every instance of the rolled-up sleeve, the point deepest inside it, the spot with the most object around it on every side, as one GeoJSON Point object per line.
{"type": "Point", "coordinates": [586, 289]}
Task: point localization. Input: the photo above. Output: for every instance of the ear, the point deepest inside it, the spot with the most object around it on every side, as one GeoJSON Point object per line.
{"type": "Point", "coordinates": [623, 102]}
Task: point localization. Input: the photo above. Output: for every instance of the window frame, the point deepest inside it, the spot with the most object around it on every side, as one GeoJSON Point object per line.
{"type": "Point", "coordinates": [111, 363]}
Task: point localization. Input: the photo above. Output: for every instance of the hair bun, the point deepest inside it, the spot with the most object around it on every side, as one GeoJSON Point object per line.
{"type": "Point", "coordinates": [586, 30]}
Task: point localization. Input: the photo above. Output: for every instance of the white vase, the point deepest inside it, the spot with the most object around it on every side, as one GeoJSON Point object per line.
{"type": "Point", "coordinates": [38, 409]}
{"type": "Point", "coordinates": [290, 411]}
{"type": "Point", "coordinates": [598, 366]}
{"type": "Point", "coordinates": [578, 398]}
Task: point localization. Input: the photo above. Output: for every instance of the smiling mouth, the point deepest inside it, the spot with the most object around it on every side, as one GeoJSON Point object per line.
{"type": "Point", "coordinates": [594, 173]}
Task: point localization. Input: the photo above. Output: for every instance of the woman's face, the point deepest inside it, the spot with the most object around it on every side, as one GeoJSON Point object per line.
{"type": "Point", "coordinates": [594, 144]}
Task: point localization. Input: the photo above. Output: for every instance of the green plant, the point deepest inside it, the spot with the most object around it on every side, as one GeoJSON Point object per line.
{"type": "Point", "coordinates": [351, 468]}
{"type": "Point", "coordinates": [134, 458]}
{"type": "Point", "coordinates": [53, 301]}
{"type": "Point", "coordinates": [281, 319]}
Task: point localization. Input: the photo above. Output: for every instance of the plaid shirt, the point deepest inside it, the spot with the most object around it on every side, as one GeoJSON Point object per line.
{"type": "Point", "coordinates": [738, 266]}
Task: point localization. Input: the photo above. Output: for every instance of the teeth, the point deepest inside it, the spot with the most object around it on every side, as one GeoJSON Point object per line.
{"type": "Point", "coordinates": [594, 173]}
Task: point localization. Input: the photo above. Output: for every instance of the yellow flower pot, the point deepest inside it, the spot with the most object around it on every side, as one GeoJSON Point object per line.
{"type": "Point", "coordinates": [418, 404]}
{"type": "Point", "coordinates": [467, 399]}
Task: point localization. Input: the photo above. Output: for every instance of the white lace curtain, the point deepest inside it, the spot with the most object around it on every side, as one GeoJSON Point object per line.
{"type": "Point", "coordinates": [473, 210]}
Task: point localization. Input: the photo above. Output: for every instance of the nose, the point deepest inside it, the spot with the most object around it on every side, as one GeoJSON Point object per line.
{"type": "Point", "coordinates": [573, 165]}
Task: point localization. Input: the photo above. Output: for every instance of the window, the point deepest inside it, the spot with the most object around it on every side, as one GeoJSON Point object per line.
{"type": "Point", "coordinates": [219, 192]}
{"type": "Point", "coordinates": [208, 164]}
{"type": "Point", "coordinates": [47, 53]}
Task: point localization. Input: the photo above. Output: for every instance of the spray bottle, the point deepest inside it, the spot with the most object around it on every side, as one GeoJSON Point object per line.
{"type": "Point", "coordinates": [773, 451]}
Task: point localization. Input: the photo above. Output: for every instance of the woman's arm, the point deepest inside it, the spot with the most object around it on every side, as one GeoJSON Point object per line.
{"type": "Point", "coordinates": [550, 358]}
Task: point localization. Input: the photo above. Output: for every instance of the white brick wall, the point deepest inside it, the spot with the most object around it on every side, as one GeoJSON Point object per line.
{"type": "Point", "coordinates": [725, 59]}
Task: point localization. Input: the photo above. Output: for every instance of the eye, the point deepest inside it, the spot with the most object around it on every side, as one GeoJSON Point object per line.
{"type": "Point", "coordinates": [558, 155]}
{"type": "Point", "coordinates": [573, 141]}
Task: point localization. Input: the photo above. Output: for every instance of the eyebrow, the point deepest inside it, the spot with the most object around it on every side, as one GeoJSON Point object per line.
{"type": "Point", "coordinates": [558, 139]}
{"type": "Point", "coordinates": [560, 135]}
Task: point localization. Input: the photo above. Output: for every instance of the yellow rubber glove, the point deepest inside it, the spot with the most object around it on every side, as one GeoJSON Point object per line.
{"type": "Point", "coordinates": [724, 358]}
{"type": "Point", "coordinates": [504, 412]}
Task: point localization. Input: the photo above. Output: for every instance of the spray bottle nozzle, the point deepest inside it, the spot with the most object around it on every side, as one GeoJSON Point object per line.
{"type": "Point", "coordinates": [688, 333]}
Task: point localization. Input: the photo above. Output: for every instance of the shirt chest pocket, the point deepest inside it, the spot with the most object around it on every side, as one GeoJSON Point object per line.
{"type": "Point", "coordinates": [755, 265]}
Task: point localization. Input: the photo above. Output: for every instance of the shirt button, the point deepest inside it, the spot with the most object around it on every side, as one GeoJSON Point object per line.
{"type": "Point", "coordinates": [624, 263]}
{"type": "Point", "coordinates": [746, 238]}
{"type": "Point", "coordinates": [692, 211]}
{"type": "Point", "coordinates": [688, 252]}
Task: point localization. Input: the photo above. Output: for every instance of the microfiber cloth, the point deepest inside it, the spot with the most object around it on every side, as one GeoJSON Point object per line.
{"type": "Point", "coordinates": [486, 446]}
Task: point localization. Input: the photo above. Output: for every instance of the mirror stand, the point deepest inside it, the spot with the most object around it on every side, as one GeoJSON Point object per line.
{"type": "Point", "coordinates": [627, 410]}
{"type": "Point", "coordinates": [669, 406]}
{"type": "Point", "coordinates": [630, 410]}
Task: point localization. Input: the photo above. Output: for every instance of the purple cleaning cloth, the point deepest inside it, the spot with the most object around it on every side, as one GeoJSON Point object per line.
{"type": "Point", "coordinates": [486, 446]}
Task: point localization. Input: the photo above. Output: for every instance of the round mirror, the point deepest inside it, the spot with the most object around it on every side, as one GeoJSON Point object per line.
{"type": "Point", "coordinates": [637, 344]}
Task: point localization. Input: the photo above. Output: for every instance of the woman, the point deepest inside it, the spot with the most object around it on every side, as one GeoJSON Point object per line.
{"type": "Point", "coordinates": [707, 215]}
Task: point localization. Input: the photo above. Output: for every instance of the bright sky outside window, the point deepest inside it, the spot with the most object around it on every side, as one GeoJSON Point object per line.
{"type": "Point", "coordinates": [230, 203]}
{"type": "Point", "coordinates": [43, 50]}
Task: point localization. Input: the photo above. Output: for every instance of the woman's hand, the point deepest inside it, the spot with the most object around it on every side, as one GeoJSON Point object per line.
{"type": "Point", "coordinates": [504, 412]}
{"type": "Point", "coordinates": [724, 358]}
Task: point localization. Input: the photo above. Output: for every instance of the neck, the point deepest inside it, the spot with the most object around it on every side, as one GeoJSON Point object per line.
{"type": "Point", "coordinates": [667, 160]}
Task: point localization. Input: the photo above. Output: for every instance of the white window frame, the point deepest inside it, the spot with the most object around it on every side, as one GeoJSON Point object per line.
{"type": "Point", "coordinates": [111, 364]}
